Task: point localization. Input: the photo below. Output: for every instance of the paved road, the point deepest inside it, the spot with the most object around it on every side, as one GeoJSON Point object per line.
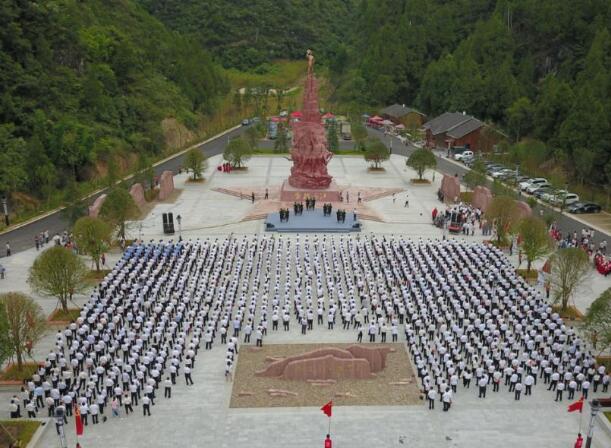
{"type": "Point", "coordinates": [566, 222]}
{"type": "Point", "coordinates": [23, 238]}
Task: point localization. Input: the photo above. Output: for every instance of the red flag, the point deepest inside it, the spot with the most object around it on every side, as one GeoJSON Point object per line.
{"type": "Point", "coordinates": [327, 408]}
{"type": "Point", "coordinates": [78, 421]}
{"type": "Point", "coordinates": [577, 406]}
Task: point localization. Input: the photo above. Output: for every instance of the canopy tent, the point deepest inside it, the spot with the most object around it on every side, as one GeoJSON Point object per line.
{"type": "Point", "coordinates": [400, 126]}
{"type": "Point", "coordinates": [296, 114]}
{"type": "Point", "coordinates": [328, 116]}
{"type": "Point", "coordinates": [387, 123]}
{"type": "Point", "coordinates": [376, 118]}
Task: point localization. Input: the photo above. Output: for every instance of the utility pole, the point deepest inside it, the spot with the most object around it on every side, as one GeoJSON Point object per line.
{"type": "Point", "coordinates": [594, 410]}
{"type": "Point", "coordinates": [5, 210]}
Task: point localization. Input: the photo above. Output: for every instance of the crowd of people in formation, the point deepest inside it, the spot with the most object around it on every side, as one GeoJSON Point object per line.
{"type": "Point", "coordinates": [466, 317]}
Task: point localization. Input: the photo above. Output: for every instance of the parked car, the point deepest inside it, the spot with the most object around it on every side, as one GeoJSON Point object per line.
{"type": "Point", "coordinates": [493, 168]}
{"type": "Point", "coordinates": [539, 193]}
{"type": "Point", "coordinates": [505, 173]}
{"type": "Point", "coordinates": [550, 197]}
{"type": "Point", "coordinates": [565, 199]}
{"type": "Point", "coordinates": [245, 122]}
{"type": "Point", "coordinates": [584, 207]}
{"type": "Point", "coordinates": [534, 186]}
{"type": "Point", "coordinates": [461, 155]}
{"type": "Point", "coordinates": [535, 180]}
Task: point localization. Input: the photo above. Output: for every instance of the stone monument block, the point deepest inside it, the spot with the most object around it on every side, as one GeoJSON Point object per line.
{"type": "Point", "coordinates": [166, 185]}
{"type": "Point", "coordinates": [323, 364]}
{"type": "Point", "coordinates": [482, 196]}
{"type": "Point", "coordinates": [94, 209]}
{"type": "Point", "coordinates": [327, 367]}
{"type": "Point", "coordinates": [450, 187]}
{"type": "Point", "coordinates": [137, 194]}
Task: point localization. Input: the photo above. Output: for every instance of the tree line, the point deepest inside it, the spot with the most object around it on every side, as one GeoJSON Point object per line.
{"type": "Point", "coordinates": [86, 85]}
{"type": "Point", "coordinates": [539, 70]}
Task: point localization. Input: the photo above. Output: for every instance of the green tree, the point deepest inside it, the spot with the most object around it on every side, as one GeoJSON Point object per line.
{"type": "Point", "coordinates": [536, 242]}
{"type": "Point", "coordinates": [74, 206]}
{"type": "Point", "coordinates": [13, 172]}
{"type": "Point", "coordinates": [93, 237]}
{"type": "Point", "coordinates": [332, 136]}
{"type": "Point", "coordinates": [237, 152]}
{"type": "Point", "coordinates": [146, 172]}
{"type": "Point", "coordinates": [598, 322]}
{"type": "Point", "coordinates": [376, 152]}
{"type": "Point", "coordinates": [252, 137]}
{"type": "Point", "coordinates": [503, 213]}
{"type": "Point", "coordinates": [118, 208]}
{"type": "Point", "coordinates": [5, 346]}
{"type": "Point", "coordinates": [476, 176]}
{"type": "Point", "coordinates": [58, 272]}
{"type": "Point", "coordinates": [359, 134]}
{"type": "Point", "coordinates": [570, 268]}
{"type": "Point", "coordinates": [520, 117]}
{"type": "Point", "coordinates": [25, 324]}
{"type": "Point", "coordinates": [421, 160]}
{"type": "Point", "coordinates": [281, 143]}
{"type": "Point", "coordinates": [195, 162]}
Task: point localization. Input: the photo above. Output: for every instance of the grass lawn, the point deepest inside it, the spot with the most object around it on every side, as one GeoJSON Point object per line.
{"type": "Point", "coordinates": [94, 277]}
{"type": "Point", "coordinates": [61, 315]}
{"type": "Point", "coordinates": [608, 415]}
{"type": "Point", "coordinates": [21, 430]}
{"type": "Point", "coordinates": [12, 373]}
{"type": "Point", "coordinates": [528, 275]}
{"type": "Point", "coordinates": [571, 312]}
{"type": "Point", "coordinates": [466, 196]}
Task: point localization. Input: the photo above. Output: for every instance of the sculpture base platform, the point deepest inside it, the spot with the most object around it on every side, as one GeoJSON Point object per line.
{"type": "Point", "coordinates": [288, 193]}
{"type": "Point", "coordinates": [312, 221]}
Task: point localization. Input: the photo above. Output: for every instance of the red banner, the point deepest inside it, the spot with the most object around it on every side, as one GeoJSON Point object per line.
{"type": "Point", "coordinates": [78, 421]}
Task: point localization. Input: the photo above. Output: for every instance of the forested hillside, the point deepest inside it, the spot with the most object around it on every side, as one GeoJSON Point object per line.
{"type": "Point", "coordinates": [86, 82]}
{"type": "Point", "coordinates": [535, 68]}
{"type": "Point", "coordinates": [244, 34]}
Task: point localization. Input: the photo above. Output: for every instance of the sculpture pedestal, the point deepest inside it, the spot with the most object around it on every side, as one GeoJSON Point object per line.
{"type": "Point", "coordinates": [289, 193]}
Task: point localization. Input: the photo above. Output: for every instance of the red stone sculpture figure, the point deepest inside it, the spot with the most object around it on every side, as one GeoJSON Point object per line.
{"type": "Point", "coordinates": [310, 154]}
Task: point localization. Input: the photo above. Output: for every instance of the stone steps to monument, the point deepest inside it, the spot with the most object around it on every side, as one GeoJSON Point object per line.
{"type": "Point", "coordinates": [387, 192]}
{"type": "Point", "coordinates": [236, 194]}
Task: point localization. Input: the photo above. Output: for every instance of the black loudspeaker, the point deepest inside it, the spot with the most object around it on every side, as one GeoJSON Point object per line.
{"type": "Point", "coordinates": [165, 222]}
{"type": "Point", "coordinates": [168, 223]}
{"type": "Point", "coordinates": [171, 223]}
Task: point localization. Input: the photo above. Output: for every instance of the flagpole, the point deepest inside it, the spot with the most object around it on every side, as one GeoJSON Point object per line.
{"type": "Point", "coordinates": [329, 432]}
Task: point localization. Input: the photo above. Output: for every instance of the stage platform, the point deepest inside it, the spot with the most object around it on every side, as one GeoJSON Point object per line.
{"type": "Point", "coordinates": [312, 221]}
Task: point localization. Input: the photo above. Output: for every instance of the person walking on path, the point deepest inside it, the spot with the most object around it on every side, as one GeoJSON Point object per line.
{"type": "Point", "coordinates": [8, 249]}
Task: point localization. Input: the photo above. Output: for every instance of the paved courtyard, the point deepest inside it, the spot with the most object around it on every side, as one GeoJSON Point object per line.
{"type": "Point", "coordinates": [200, 415]}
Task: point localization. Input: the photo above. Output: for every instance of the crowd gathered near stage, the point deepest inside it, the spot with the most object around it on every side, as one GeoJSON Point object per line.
{"type": "Point", "coordinates": [466, 317]}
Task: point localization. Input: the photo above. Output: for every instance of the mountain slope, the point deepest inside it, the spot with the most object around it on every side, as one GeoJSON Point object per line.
{"type": "Point", "coordinates": [83, 82]}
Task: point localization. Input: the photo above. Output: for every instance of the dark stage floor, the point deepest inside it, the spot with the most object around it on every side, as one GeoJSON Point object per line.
{"type": "Point", "coordinates": [312, 221]}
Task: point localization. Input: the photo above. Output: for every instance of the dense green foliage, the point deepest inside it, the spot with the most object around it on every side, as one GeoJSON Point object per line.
{"type": "Point", "coordinates": [533, 68]}
{"type": "Point", "coordinates": [245, 34]}
{"type": "Point", "coordinates": [86, 82]}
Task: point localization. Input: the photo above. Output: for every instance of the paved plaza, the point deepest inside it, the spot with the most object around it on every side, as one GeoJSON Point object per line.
{"type": "Point", "coordinates": [200, 415]}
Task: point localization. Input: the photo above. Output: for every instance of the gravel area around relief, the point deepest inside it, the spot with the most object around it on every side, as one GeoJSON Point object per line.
{"type": "Point", "coordinates": [376, 391]}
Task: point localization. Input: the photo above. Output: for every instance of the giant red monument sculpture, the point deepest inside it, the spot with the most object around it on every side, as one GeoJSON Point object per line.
{"type": "Point", "coordinates": [309, 153]}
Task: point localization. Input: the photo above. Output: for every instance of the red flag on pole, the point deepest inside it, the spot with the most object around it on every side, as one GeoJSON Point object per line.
{"type": "Point", "coordinates": [327, 408]}
{"type": "Point", "coordinates": [78, 421]}
{"type": "Point", "coordinates": [577, 406]}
